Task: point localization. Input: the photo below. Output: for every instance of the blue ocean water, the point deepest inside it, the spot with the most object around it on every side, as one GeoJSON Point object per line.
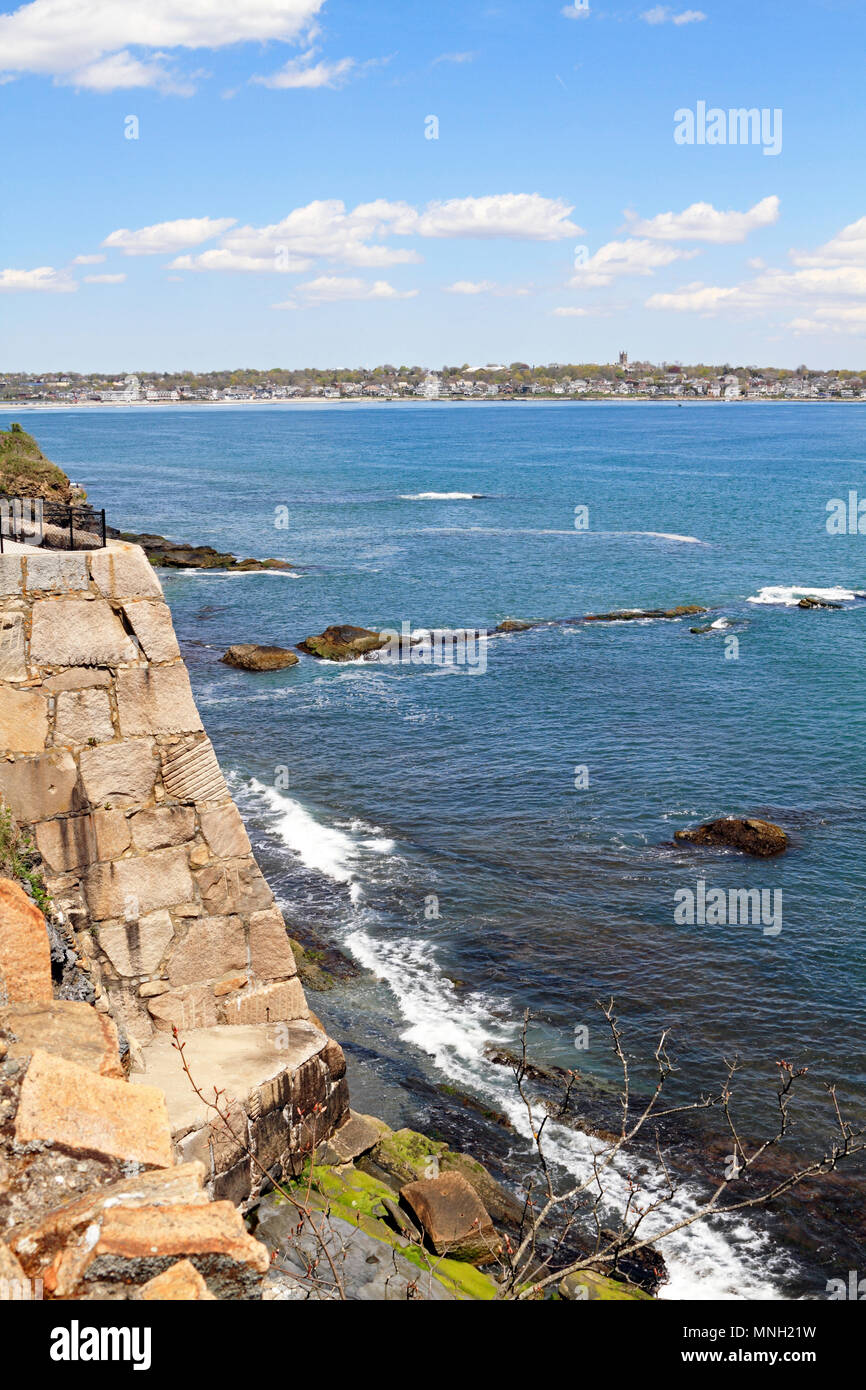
{"type": "Point", "coordinates": [426, 820]}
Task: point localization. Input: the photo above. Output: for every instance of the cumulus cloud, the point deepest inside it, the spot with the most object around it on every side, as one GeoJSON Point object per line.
{"type": "Point", "coordinates": [96, 259]}
{"type": "Point", "coordinates": [333, 289]}
{"type": "Point", "coordinates": [527, 216]}
{"type": "Point", "coordinates": [633, 256]}
{"type": "Point", "coordinates": [703, 222]}
{"type": "Point", "coordinates": [663, 14]}
{"type": "Point", "coordinates": [303, 73]}
{"type": "Point", "coordinates": [569, 311]}
{"type": "Point", "coordinates": [472, 287]}
{"type": "Point", "coordinates": [44, 278]}
{"type": "Point", "coordinates": [166, 237]}
{"type": "Point", "coordinates": [104, 279]}
{"type": "Point", "coordinates": [87, 42]}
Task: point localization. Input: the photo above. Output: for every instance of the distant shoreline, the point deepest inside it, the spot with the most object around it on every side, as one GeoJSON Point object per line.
{"type": "Point", "coordinates": [446, 401]}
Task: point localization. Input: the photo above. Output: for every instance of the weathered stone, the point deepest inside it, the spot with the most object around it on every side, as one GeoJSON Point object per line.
{"type": "Point", "coordinates": [77, 678]}
{"type": "Point", "coordinates": [584, 1285]}
{"type": "Point", "coordinates": [14, 1283]}
{"type": "Point", "coordinates": [78, 632]}
{"type": "Point", "coordinates": [25, 954]}
{"type": "Point", "coordinates": [122, 774]}
{"type": "Point", "coordinates": [271, 956]}
{"type": "Point", "coordinates": [193, 773]}
{"type": "Point", "coordinates": [38, 1243]}
{"type": "Point", "coordinates": [132, 1014]}
{"type": "Point", "coordinates": [229, 985]}
{"type": "Point", "coordinates": [150, 989]}
{"type": "Point", "coordinates": [69, 1106]}
{"type": "Point", "coordinates": [249, 656]}
{"type": "Point", "coordinates": [36, 789]}
{"type": "Point", "coordinates": [151, 622]}
{"type": "Point", "coordinates": [452, 1217]}
{"type": "Point", "coordinates": [13, 664]}
{"type": "Point", "coordinates": [130, 888]}
{"type": "Point", "coordinates": [758, 837]}
{"type": "Point", "coordinates": [228, 1138]}
{"type": "Point", "coordinates": [184, 1009]}
{"type": "Point", "coordinates": [271, 1139]}
{"type": "Point", "coordinates": [274, 1003]}
{"type": "Point", "coordinates": [342, 642]}
{"type": "Point", "coordinates": [357, 1135]}
{"type": "Point", "coordinates": [334, 1059]}
{"type": "Point", "coordinates": [66, 843]}
{"type": "Point", "coordinates": [162, 827]}
{"type": "Point", "coordinates": [83, 716]}
{"type": "Point", "coordinates": [180, 1283]}
{"type": "Point", "coordinates": [156, 699]}
{"type": "Point", "coordinates": [23, 720]}
{"type": "Point", "coordinates": [124, 572]}
{"type": "Point", "coordinates": [235, 886]}
{"type": "Point", "coordinates": [112, 834]}
{"type": "Point", "coordinates": [11, 579]}
{"type": "Point", "coordinates": [199, 855]}
{"type": "Point", "coordinates": [66, 1029]}
{"type": "Point", "coordinates": [57, 572]}
{"type": "Point", "coordinates": [213, 946]}
{"type": "Point", "coordinates": [137, 947]}
{"type": "Point", "coordinates": [224, 831]}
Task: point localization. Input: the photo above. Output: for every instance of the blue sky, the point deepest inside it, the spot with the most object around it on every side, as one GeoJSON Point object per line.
{"type": "Point", "coordinates": [282, 204]}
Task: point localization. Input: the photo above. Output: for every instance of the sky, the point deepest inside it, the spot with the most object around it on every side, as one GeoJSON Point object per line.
{"type": "Point", "coordinates": [204, 184]}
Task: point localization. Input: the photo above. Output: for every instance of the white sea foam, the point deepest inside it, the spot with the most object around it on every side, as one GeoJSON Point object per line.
{"type": "Point", "coordinates": [789, 595]}
{"type": "Point", "coordinates": [238, 574]}
{"type": "Point", "coordinates": [440, 496]}
{"type": "Point", "coordinates": [550, 531]}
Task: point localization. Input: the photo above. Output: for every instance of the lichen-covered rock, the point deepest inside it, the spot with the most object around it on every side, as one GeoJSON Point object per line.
{"type": "Point", "coordinates": [342, 642]}
{"type": "Point", "coordinates": [585, 1284]}
{"type": "Point", "coordinates": [758, 837]}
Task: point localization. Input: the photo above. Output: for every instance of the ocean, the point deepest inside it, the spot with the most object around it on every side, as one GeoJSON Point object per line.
{"type": "Point", "coordinates": [482, 842]}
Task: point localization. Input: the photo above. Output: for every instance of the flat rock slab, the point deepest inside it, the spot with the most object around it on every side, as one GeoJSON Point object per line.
{"type": "Point", "coordinates": [453, 1217]}
{"type": "Point", "coordinates": [65, 1029]}
{"type": "Point", "coordinates": [25, 953]}
{"type": "Point", "coordinates": [357, 1136]}
{"type": "Point", "coordinates": [238, 1060]}
{"type": "Point", "coordinates": [67, 1105]}
{"type": "Point", "coordinates": [78, 632]}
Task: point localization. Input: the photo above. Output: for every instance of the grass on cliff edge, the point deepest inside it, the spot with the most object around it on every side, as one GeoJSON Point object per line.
{"type": "Point", "coordinates": [26, 472]}
{"type": "Point", "coordinates": [20, 860]}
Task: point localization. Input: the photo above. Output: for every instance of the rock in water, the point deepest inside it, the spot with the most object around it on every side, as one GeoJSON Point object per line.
{"type": "Point", "coordinates": [513, 625]}
{"type": "Point", "coordinates": [248, 656]}
{"type": "Point", "coordinates": [632, 615]}
{"type": "Point", "coordinates": [759, 837]}
{"type": "Point", "coordinates": [341, 642]}
{"type": "Point", "coordinates": [809, 602]}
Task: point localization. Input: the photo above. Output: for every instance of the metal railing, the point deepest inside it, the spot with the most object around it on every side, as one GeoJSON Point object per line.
{"type": "Point", "coordinates": [52, 525]}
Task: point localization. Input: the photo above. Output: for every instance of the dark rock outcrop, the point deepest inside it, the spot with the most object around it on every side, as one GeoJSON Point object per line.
{"type": "Point", "coordinates": [167, 554]}
{"type": "Point", "coordinates": [513, 625]}
{"type": "Point", "coordinates": [248, 656]}
{"type": "Point", "coordinates": [809, 602]}
{"type": "Point", "coordinates": [342, 642]}
{"type": "Point", "coordinates": [630, 615]}
{"type": "Point", "coordinates": [758, 837]}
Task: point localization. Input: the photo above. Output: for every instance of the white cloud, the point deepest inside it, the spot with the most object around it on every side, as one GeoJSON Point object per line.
{"type": "Point", "coordinates": [848, 246]}
{"type": "Point", "coordinates": [165, 237]}
{"type": "Point", "coordinates": [96, 259]}
{"type": "Point", "coordinates": [303, 73]}
{"type": "Point", "coordinates": [630, 257]}
{"type": "Point", "coordinates": [454, 58]}
{"type": "Point", "coordinates": [569, 312]}
{"type": "Point", "coordinates": [833, 319]}
{"type": "Point", "coordinates": [44, 278]}
{"type": "Point", "coordinates": [575, 11]}
{"type": "Point", "coordinates": [472, 287]}
{"type": "Point", "coordinates": [527, 216]}
{"type": "Point", "coordinates": [86, 42]}
{"type": "Point", "coordinates": [703, 222]}
{"type": "Point", "coordinates": [122, 70]}
{"type": "Point", "coordinates": [663, 14]}
{"type": "Point", "coordinates": [220, 258]}
{"type": "Point", "coordinates": [695, 298]}
{"type": "Point", "coordinates": [333, 289]}
{"type": "Point", "coordinates": [104, 279]}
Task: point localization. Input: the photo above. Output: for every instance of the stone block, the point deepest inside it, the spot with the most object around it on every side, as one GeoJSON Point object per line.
{"type": "Point", "coordinates": [224, 831]}
{"type": "Point", "coordinates": [234, 886]}
{"type": "Point", "coordinates": [156, 699]}
{"type": "Point", "coordinates": [279, 1002]}
{"type": "Point", "coordinates": [124, 572]}
{"type": "Point", "coordinates": [13, 663]}
{"type": "Point", "coordinates": [212, 946]}
{"type": "Point", "coordinates": [180, 1283]}
{"type": "Point", "coordinates": [151, 622]}
{"type": "Point", "coordinates": [162, 827]}
{"type": "Point", "coordinates": [131, 888]}
{"type": "Point", "coordinates": [23, 720]}
{"type": "Point", "coordinates": [78, 632]}
{"type": "Point", "coordinates": [25, 954]}
{"type": "Point", "coordinates": [67, 1105]}
{"type": "Point", "coordinates": [36, 789]}
{"type": "Point", "coordinates": [11, 578]}
{"type": "Point", "coordinates": [66, 1029]}
{"type": "Point", "coordinates": [66, 843]}
{"type": "Point", "coordinates": [137, 947]}
{"type": "Point", "coordinates": [77, 678]}
{"type": "Point", "coordinates": [271, 1138]}
{"type": "Point", "coordinates": [111, 833]}
{"type": "Point", "coordinates": [271, 956]}
{"type": "Point", "coordinates": [83, 716]}
{"type": "Point", "coordinates": [122, 774]}
{"type": "Point", "coordinates": [192, 773]}
{"type": "Point", "coordinates": [57, 572]}
{"type": "Point", "coordinates": [453, 1217]}
{"type": "Point", "coordinates": [184, 1009]}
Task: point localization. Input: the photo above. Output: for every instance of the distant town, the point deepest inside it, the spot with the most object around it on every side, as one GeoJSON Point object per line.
{"type": "Point", "coordinates": [493, 382]}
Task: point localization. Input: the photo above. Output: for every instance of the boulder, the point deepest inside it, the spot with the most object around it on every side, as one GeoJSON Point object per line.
{"type": "Point", "coordinates": [585, 1284]}
{"type": "Point", "coordinates": [683, 610]}
{"type": "Point", "coordinates": [809, 602]}
{"type": "Point", "coordinates": [758, 837]}
{"type": "Point", "coordinates": [513, 625]}
{"type": "Point", "coordinates": [342, 642]}
{"type": "Point", "coordinates": [67, 1029]}
{"type": "Point", "coordinates": [249, 656]}
{"type": "Point", "coordinates": [181, 1282]}
{"type": "Point", "coordinates": [25, 952]}
{"type": "Point", "coordinates": [453, 1218]}
{"type": "Point", "coordinates": [357, 1135]}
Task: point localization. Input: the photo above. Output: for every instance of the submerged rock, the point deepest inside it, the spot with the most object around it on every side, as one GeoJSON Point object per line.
{"type": "Point", "coordinates": [342, 642]}
{"type": "Point", "coordinates": [809, 602]}
{"type": "Point", "coordinates": [630, 615]}
{"type": "Point", "coordinates": [513, 625]}
{"type": "Point", "coordinates": [758, 837]}
{"type": "Point", "coordinates": [249, 656]}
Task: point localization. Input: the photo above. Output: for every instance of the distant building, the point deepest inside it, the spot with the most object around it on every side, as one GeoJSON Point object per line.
{"type": "Point", "coordinates": [623, 359]}
{"type": "Point", "coordinates": [431, 387]}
